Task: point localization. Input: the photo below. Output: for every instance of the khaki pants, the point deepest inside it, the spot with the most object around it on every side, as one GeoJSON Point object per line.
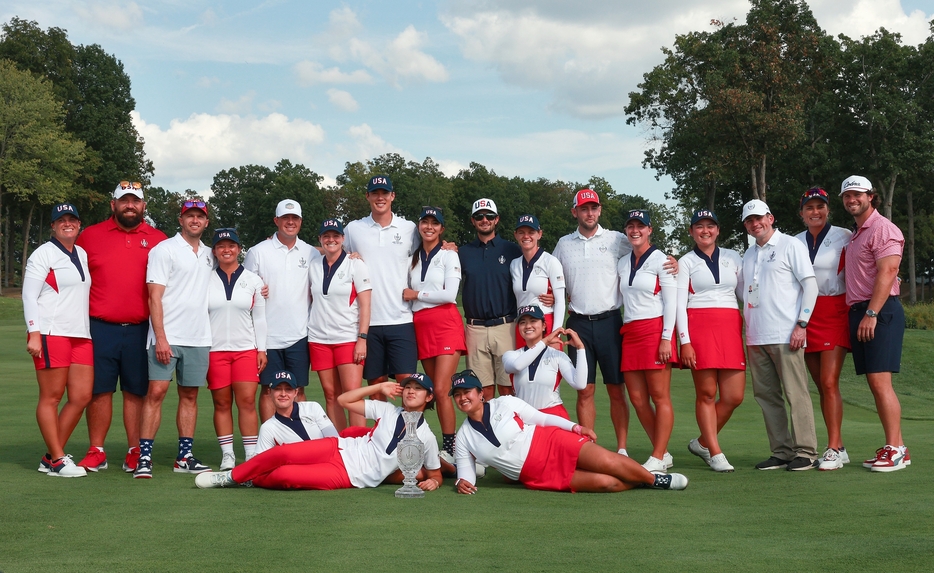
{"type": "Point", "coordinates": [776, 369]}
{"type": "Point", "coordinates": [485, 348]}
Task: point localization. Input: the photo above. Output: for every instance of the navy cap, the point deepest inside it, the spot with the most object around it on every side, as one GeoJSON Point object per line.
{"type": "Point", "coordinates": [464, 380]}
{"type": "Point", "coordinates": [63, 209]}
{"type": "Point", "coordinates": [639, 215]}
{"type": "Point", "coordinates": [226, 234]}
{"type": "Point", "coordinates": [432, 212]}
{"type": "Point", "coordinates": [528, 220]}
{"type": "Point", "coordinates": [331, 225]}
{"type": "Point", "coordinates": [530, 310]}
{"type": "Point", "coordinates": [283, 377]}
{"type": "Point", "coordinates": [702, 214]}
{"type": "Point", "coordinates": [420, 379]}
{"type": "Point", "coordinates": [379, 182]}
{"type": "Point", "coordinates": [814, 193]}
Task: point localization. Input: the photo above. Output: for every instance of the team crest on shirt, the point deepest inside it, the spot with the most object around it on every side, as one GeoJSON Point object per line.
{"type": "Point", "coordinates": [827, 242]}
{"type": "Point", "coordinates": [539, 271]}
{"type": "Point", "coordinates": [498, 417]}
{"type": "Point", "coordinates": [397, 239]}
{"type": "Point", "coordinates": [437, 262]}
{"type": "Point", "coordinates": [243, 284]}
{"type": "Point", "coordinates": [772, 257]}
{"type": "Point", "coordinates": [144, 243]}
{"type": "Point", "coordinates": [340, 275]}
{"type": "Point", "coordinates": [602, 248]}
{"type": "Point", "coordinates": [302, 263]}
{"type": "Point", "coordinates": [502, 260]}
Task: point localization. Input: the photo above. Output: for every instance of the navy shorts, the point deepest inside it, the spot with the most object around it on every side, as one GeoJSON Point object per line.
{"type": "Point", "coordinates": [295, 359]}
{"type": "Point", "coordinates": [884, 352]}
{"type": "Point", "coordinates": [390, 350]}
{"type": "Point", "coordinates": [120, 352]}
{"type": "Point", "coordinates": [603, 345]}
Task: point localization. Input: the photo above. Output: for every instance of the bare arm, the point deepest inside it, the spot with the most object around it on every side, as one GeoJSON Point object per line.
{"type": "Point", "coordinates": [157, 318]}
{"type": "Point", "coordinates": [354, 400]}
{"type": "Point", "coordinates": [363, 304]}
{"type": "Point", "coordinates": [886, 274]}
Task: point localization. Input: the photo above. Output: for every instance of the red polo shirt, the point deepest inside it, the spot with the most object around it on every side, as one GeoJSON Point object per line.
{"type": "Point", "coordinates": [117, 262]}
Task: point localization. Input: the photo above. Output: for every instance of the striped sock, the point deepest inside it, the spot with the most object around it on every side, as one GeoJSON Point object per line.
{"type": "Point", "coordinates": [226, 443]}
{"type": "Point", "coordinates": [184, 447]}
{"type": "Point", "coordinates": [145, 448]}
{"type": "Point", "coordinates": [249, 446]}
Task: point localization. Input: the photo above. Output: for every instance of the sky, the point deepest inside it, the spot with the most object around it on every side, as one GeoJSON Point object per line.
{"type": "Point", "coordinates": [528, 88]}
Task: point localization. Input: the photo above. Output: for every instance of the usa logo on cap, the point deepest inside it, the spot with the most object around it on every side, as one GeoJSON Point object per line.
{"type": "Point", "coordinates": [284, 375]}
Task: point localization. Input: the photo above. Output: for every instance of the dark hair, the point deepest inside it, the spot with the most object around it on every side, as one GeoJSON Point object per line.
{"type": "Point", "coordinates": [419, 248]}
{"type": "Point", "coordinates": [430, 404]}
{"type": "Point", "coordinates": [874, 201]}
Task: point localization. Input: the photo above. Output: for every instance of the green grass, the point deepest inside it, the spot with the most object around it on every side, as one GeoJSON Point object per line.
{"type": "Point", "coordinates": [846, 520]}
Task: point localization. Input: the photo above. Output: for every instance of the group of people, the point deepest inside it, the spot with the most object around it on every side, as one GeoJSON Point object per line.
{"type": "Point", "coordinates": [121, 301]}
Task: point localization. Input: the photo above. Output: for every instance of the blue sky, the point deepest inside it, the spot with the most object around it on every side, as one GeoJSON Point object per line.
{"type": "Point", "coordinates": [526, 88]}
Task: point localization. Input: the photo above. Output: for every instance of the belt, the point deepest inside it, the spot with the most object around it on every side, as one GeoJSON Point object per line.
{"type": "Point", "coordinates": [593, 317]}
{"type": "Point", "coordinates": [491, 322]}
{"type": "Point", "coordinates": [94, 318]}
{"type": "Point", "coordinates": [864, 304]}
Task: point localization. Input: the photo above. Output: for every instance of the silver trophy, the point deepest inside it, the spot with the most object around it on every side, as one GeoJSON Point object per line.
{"type": "Point", "coordinates": [410, 453]}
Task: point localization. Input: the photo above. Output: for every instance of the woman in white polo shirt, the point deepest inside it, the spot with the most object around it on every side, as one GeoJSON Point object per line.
{"type": "Point", "coordinates": [536, 274]}
{"type": "Point", "coordinates": [339, 321]}
{"type": "Point", "coordinates": [828, 334]}
{"type": "Point", "coordinates": [434, 278]}
{"type": "Point", "coordinates": [237, 311]}
{"type": "Point", "coordinates": [56, 290]}
{"type": "Point", "coordinates": [710, 327]}
{"type": "Point", "coordinates": [650, 304]}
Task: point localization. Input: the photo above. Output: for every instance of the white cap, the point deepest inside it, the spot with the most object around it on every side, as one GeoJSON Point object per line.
{"type": "Point", "coordinates": [856, 183]}
{"type": "Point", "coordinates": [755, 207]}
{"type": "Point", "coordinates": [484, 205]}
{"type": "Point", "coordinates": [128, 188]}
{"type": "Point", "coordinates": [288, 207]}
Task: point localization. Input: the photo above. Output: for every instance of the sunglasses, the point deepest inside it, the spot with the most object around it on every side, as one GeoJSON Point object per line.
{"type": "Point", "coordinates": [487, 216]}
{"type": "Point", "coordinates": [133, 185]}
{"type": "Point", "coordinates": [194, 205]}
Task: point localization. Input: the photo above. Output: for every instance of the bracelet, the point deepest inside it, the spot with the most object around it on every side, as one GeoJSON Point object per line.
{"type": "Point", "coordinates": [436, 482]}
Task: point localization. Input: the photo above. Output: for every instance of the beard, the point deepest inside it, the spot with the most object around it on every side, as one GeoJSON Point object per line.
{"type": "Point", "coordinates": [129, 219]}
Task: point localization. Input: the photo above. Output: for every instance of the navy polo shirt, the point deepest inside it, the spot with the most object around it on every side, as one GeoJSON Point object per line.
{"type": "Point", "coordinates": [487, 284]}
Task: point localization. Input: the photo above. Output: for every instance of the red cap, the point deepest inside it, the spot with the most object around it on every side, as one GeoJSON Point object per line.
{"type": "Point", "coordinates": [194, 204]}
{"type": "Point", "coordinates": [586, 196]}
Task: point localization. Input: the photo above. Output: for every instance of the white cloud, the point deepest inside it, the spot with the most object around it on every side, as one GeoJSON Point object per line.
{"type": "Point", "coordinates": [112, 15]}
{"type": "Point", "coordinates": [311, 73]}
{"type": "Point", "coordinates": [401, 59]}
{"type": "Point", "coordinates": [208, 81]}
{"type": "Point", "coordinates": [864, 17]}
{"type": "Point", "coordinates": [369, 145]}
{"type": "Point", "coordinates": [343, 100]}
{"type": "Point", "coordinates": [450, 167]}
{"type": "Point", "coordinates": [241, 106]}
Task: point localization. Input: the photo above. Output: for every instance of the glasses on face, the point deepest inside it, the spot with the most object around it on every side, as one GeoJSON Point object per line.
{"type": "Point", "coordinates": [133, 185]}
{"type": "Point", "coordinates": [194, 205]}
{"type": "Point", "coordinates": [487, 216]}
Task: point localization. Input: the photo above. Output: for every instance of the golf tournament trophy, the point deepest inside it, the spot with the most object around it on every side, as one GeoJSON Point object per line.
{"type": "Point", "coordinates": [410, 453]}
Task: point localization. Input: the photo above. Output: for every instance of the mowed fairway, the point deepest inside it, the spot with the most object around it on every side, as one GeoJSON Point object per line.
{"type": "Point", "coordinates": [847, 520]}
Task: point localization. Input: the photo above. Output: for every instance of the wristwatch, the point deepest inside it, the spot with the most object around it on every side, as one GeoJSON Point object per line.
{"type": "Point", "coordinates": [362, 335]}
{"type": "Point", "coordinates": [802, 324]}
{"type": "Point", "coordinates": [871, 313]}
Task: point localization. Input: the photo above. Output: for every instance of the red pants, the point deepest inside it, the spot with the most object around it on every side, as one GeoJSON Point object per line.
{"type": "Point", "coordinates": [315, 464]}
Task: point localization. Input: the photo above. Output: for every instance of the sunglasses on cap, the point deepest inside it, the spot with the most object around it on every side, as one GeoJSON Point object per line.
{"type": "Point", "coordinates": [193, 205]}
{"type": "Point", "coordinates": [133, 185]}
{"type": "Point", "coordinates": [487, 216]}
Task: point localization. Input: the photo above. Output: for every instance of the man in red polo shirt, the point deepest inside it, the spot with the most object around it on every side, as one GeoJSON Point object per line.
{"type": "Point", "coordinates": [118, 250]}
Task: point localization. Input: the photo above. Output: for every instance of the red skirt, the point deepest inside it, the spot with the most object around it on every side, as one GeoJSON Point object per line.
{"type": "Point", "coordinates": [640, 345]}
{"type": "Point", "coordinates": [552, 459]}
{"type": "Point", "coordinates": [439, 330]}
{"type": "Point", "coordinates": [549, 326]}
{"type": "Point", "coordinates": [558, 410]}
{"type": "Point", "coordinates": [829, 326]}
{"type": "Point", "coordinates": [717, 338]}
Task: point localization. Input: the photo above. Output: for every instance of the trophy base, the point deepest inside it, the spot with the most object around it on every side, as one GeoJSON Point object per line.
{"type": "Point", "coordinates": [409, 492]}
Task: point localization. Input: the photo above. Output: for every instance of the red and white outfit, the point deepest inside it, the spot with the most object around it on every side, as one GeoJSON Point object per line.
{"type": "Point", "coordinates": [537, 373]}
{"type": "Point", "coordinates": [237, 311]}
{"type": "Point", "coordinates": [524, 444]}
{"type": "Point", "coordinates": [708, 315]}
{"type": "Point", "coordinates": [334, 320]}
{"type": "Point", "coordinates": [439, 329]}
{"type": "Point", "coordinates": [541, 275]}
{"type": "Point", "coordinates": [336, 463]}
{"type": "Point", "coordinates": [650, 306]}
{"type": "Point", "coordinates": [829, 325]}
{"type": "Point", "coordinates": [56, 289]}
{"type": "Point", "coordinates": [308, 421]}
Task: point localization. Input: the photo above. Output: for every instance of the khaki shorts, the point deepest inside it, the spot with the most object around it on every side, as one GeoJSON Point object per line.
{"type": "Point", "coordinates": [485, 348]}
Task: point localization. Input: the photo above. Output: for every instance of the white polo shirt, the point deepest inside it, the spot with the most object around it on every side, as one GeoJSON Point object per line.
{"type": "Point", "coordinates": [828, 261]}
{"type": "Point", "coordinates": [237, 311]}
{"type": "Point", "coordinates": [698, 288]}
{"type": "Point", "coordinates": [335, 314]}
{"type": "Point", "coordinates": [388, 254]}
{"type": "Point", "coordinates": [370, 459]}
{"type": "Point", "coordinates": [55, 291]}
{"type": "Point", "coordinates": [285, 270]}
{"type": "Point", "coordinates": [538, 372]}
{"type": "Point", "coordinates": [442, 277]}
{"type": "Point", "coordinates": [275, 431]}
{"type": "Point", "coordinates": [544, 275]}
{"type": "Point", "coordinates": [776, 269]}
{"type": "Point", "coordinates": [186, 276]}
{"type": "Point", "coordinates": [650, 291]}
{"type": "Point", "coordinates": [589, 266]}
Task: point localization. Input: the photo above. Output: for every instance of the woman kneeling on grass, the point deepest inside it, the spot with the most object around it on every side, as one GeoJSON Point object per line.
{"type": "Point", "coordinates": [540, 450]}
{"type": "Point", "coordinates": [339, 463]}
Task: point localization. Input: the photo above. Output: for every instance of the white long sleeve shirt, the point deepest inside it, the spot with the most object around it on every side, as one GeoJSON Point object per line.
{"type": "Point", "coordinates": [237, 311]}
{"type": "Point", "coordinates": [648, 290]}
{"type": "Point", "coordinates": [541, 275]}
{"type": "Point", "coordinates": [538, 372]}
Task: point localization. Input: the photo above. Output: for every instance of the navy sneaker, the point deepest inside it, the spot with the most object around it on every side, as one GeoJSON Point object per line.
{"type": "Point", "coordinates": [143, 468]}
{"type": "Point", "coordinates": [189, 465]}
{"type": "Point", "coordinates": [45, 463]}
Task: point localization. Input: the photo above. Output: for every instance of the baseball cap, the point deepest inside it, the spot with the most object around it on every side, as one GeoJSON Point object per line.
{"type": "Point", "coordinates": [432, 212]}
{"type": "Point", "coordinates": [288, 207]}
{"type": "Point", "coordinates": [194, 204]}
{"type": "Point", "coordinates": [128, 188]}
{"type": "Point", "coordinates": [755, 207]}
{"type": "Point", "coordinates": [282, 376]}
{"type": "Point", "coordinates": [63, 209]}
{"type": "Point", "coordinates": [856, 183]}
{"type": "Point", "coordinates": [814, 193]}
{"type": "Point", "coordinates": [464, 380]}
{"type": "Point", "coordinates": [702, 214]}
{"type": "Point", "coordinates": [225, 234]}
{"type": "Point", "coordinates": [379, 182]}
{"type": "Point", "coordinates": [422, 380]}
{"type": "Point", "coordinates": [530, 310]}
{"type": "Point", "coordinates": [484, 205]}
{"type": "Point", "coordinates": [586, 196]}
{"type": "Point", "coordinates": [528, 220]}
{"type": "Point", "coordinates": [640, 215]}
{"type": "Point", "coordinates": [331, 225]}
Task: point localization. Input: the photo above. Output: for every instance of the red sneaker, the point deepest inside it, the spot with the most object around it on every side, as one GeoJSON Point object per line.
{"type": "Point", "coordinates": [94, 460]}
{"type": "Point", "coordinates": [131, 461]}
{"type": "Point", "coordinates": [891, 459]}
{"type": "Point", "coordinates": [907, 460]}
{"type": "Point", "coordinates": [869, 463]}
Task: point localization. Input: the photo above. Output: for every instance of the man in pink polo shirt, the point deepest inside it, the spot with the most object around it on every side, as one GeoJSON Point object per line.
{"type": "Point", "coordinates": [877, 320]}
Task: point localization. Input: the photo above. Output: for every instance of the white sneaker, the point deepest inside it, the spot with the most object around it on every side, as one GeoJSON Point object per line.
{"type": "Point", "coordinates": [206, 480]}
{"type": "Point", "coordinates": [678, 481]}
{"type": "Point", "coordinates": [228, 461]}
{"type": "Point", "coordinates": [480, 470]}
{"type": "Point", "coordinates": [446, 457]}
{"type": "Point", "coordinates": [695, 447]}
{"type": "Point", "coordinates": [622, 452]}
{"type": "Point", "coordinates": [66, 468]}
{"type": "Point", "coordinates": [668, 460]}
{"type": "Point", "coordinates": [846, 457]}
{"type": "Point", "coordinates": [832, 460]}
{"type": "Point", "coordinates": [718, 463]}
{"type": "Point", "coordinates": [654, 465]}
